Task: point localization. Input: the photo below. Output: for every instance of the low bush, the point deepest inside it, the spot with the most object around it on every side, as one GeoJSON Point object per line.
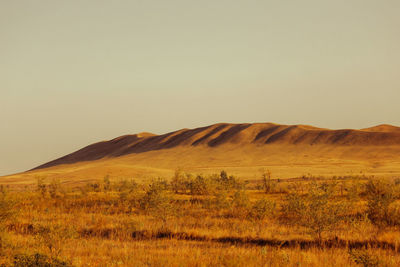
{"type": "Point", "coordinates": [380, 195]}
{"type": "Point", "coordinates": [317, 211]}
{"type": "Point", "coordinates": [7, 212]}
{"type": "Point", "coordinates": [362, 257]}
{"type": "Point", "coordinates": [38, 260]}
{"type": "Point", "coordinates": [157, 201]}
{"type": "Point", "coordinates": [240, 205]}
{"type": "Point", "coordinates": [262, 209]}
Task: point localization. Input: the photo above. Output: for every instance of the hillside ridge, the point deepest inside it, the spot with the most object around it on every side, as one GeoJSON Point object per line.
{"type": "Point", "coordinates": [216, 135]}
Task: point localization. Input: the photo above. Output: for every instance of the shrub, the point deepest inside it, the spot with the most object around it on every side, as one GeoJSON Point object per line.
{"type": "Point", "coordinates": [362, 257]}
{"type": "Point", "coordinates": [220, 201]}
{"type": "Point", "coordinates": [106, 183]}
{"type": "Point", "coordinates": [240, 204]}
{"type": "Point", "coordinates": [38, 260]}
{"type": "Point", "coordinates": [93, 187]}
{"type": "Point", "coordinates": [126, 186]}
{"type": "Point", "coordinates": [316, 211]}
{"type": "Point", "coordinates": [41, 187]}
{"type": "Point", "coordinates": [54, 188]}
{"type": "Point", "coordinates": [297, 187]}
{"type": "Point", "coordinates": [128, 191]}
{"type": "Point", "coordinates": [268, 184]}
{"type": "Point", "coordinates": [7, 212]}
{"type": "Point", "coordinates": [53, 237]}
{"type": "Point", "coordinates": [6, 208]}
{"type": "Point", "coordinates": [293, 208]}
{"type": "Point", "coordinates": [179, 183]}
{"type": "Point", "coordinates": [380, 195]}
{"type": "Point", "coordinates": [200, 186]}
{"type": "Point", "coordinates": [262, 209]}
{"type": "Point", "coordinates": [225, 182]}
{"type": "Point", "coordinates": [353, 191]}
{"type": "Point", "coordinates": [157, 201]}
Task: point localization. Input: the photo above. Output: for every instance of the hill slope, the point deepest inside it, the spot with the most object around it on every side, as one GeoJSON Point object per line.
{"type": "Point", "coordinates": [242, 149]}
{"type": "Point", "coordinates": [383, 128]}
{"type": "Point", "coordinates": [215, 136]}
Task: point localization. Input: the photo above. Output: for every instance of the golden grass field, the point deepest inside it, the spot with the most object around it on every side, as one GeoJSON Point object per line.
{"type": "Point", "coordinates": [147, 200]}
{"type": "Point", "coordinates": [115, 222]}
{"type": "Point", "coordinates": [284, 162]}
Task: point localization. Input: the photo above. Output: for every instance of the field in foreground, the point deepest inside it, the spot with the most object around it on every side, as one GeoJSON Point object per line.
{"type": "Point", "coordinates": [203, 220]}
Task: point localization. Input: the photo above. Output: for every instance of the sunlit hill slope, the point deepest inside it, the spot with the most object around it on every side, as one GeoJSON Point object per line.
{"type": "Point", "coordinates": [288, 150]}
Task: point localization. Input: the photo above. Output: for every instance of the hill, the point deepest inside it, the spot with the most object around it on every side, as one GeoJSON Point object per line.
{"type": "Point", "coordinates": [289, 150]}
{"type": "Point", "coordinates": [383, 128]}
{"type": "Point", "coordinates": [215, 136]}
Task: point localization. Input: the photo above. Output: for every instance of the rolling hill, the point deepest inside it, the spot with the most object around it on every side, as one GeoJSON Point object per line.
{"type": "Point", "coordinates": [288, 150]}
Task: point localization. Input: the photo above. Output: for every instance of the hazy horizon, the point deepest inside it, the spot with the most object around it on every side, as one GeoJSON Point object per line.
{"type": "Point", "coordinates": [74, 73]}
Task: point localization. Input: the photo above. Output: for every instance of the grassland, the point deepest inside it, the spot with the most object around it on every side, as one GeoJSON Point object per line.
{"type": "Point", "coordinates": [203, 220]}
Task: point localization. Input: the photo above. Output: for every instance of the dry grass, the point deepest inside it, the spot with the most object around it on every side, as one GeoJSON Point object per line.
{"type": "Point", "coordinates": [108, 225]}
{"type": "Point", "coordinates": [285, 161]}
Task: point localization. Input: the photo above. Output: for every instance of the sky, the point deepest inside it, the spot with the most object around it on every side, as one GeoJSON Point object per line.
{"type": "Point", "coordinates": [76, 72]}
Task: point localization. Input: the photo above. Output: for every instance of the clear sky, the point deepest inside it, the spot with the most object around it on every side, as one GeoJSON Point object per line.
{"type": "Point", "coordinates": [76, 72]}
